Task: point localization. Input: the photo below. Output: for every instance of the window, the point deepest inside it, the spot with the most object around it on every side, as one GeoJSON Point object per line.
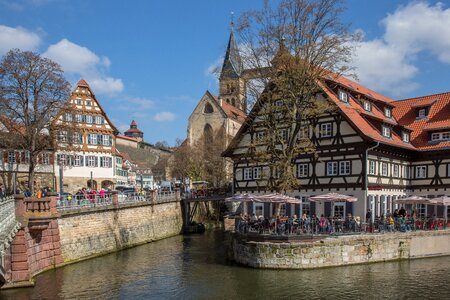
{"type": "Point", "coordinates": [343, 96]}
{"type": "Point", "coordinates": [387, 112]}
{"type": "Point", "coordinates": [12, 157]}
{"type": "Point", "coordinates": [105, 162]}
{"type": "Point", "coordinates": [279, 103]}
{"type": "Point", "coordinates": [326, 130]}
{"type": "Point", "coordinates": [422, 113]}
{"type": "Point", "coordinates": [78, 160]}
{"type": "Point", "coordinates": [260, 136]}
{"type": "Point", "coordinates": [440, 136]}
{"type": "Point", "coordinates": [421, 171]}
{"type": "Point", "coordinates": [78, 118]}
{"type": "Point", "coordinates": [372, 167]}
{"type": "Point", "coordinates": [332, 168]}
{"type": "Point", "coordinates": [405, 137]}
{"type": "Point", "coordinates": [46, 158]}
{"type": "Point", "coordinates": [257, 172]}
{"type": "Point", "coordinates": [248, 173]}
{"type": "Point", "coordinates": [344, 167]}
{"type": "Point", "coordinates": [396, 171]}
{"type": "Point", "coordinates": [446, 135]}
{"type": "Point", "coordinates": [384, 169]}
{"type": "Point", "coordinates": [106, 140]}
{"type": "Point", "coordinates": [407, 172]}
{"type": "Point", "coordinates": [282, 209]}
{"type": "Point", "coordinates": [68, 117]}
{"type": "Point", "coordinates": [92, 139]}
{"type": "Point", "coordinates": [208, 108]}
{"type": "Point", "coordinates": [62, 136]}
{"type": "Point", "coordinates": [302, 170]}
{"type": "Point", "coordinates": [284, 134]}
{"type": "Point", "coordinates": [99, 120]}
{"type": "Point", "coordinates": [91, 161]}
{"type": "Point", "coordinates": [27, 157]}
{"type": "Point", "coordinates": [89, 119]}
{"type": "Point", "coordinates": [62, 159]}
{"type": "Point", "coordinates": [306, 206]}
{"type": "Point", "coordinates": [88, 103]}
{"type": "Point", "coordinates": [77, 138]}
{"type": "Point", "coordinates": [78, 102]}
{"type": "Point", "coordinates": [339, 209]}
{"type": "Point", "coordinates": [367, 106]}
{"type": "Point", "coordinates": [99, 139]}
{"type": "Point", "coordinates": [386, 131]}
{"type": "Point", "coordinates": [303, 133]}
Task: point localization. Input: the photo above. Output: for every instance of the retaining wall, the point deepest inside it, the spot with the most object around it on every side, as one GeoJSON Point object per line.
{"type": "Point", "coordinates": [96, 232]}
{"type": "Point", "coordinates": [338, 251]}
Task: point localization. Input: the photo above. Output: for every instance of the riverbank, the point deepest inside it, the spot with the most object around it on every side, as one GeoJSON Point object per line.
{"type": "Point", "coordinates": [337, 251]}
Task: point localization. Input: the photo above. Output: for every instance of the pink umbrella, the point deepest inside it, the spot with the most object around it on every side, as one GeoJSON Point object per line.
{"type": "Point", "coordinates": [277, 198]}
{"type": "Point", "coordinates": [443, 200]}
{"type": "Point", "coordinates": [333, 197]}
{"type": "Point", "coordinates": [241, 198]}
{"type": "Point", "coordinates": [414, 200]}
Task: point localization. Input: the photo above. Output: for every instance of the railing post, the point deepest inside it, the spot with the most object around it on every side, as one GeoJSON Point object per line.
{"type": "Point", "coordinates": [20, 207]}
{"type": "Point", "coordinates": [115, 198]}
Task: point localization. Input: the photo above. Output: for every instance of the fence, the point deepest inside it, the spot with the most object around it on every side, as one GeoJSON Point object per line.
{"type": "Point", "coordinates": [96, 200]}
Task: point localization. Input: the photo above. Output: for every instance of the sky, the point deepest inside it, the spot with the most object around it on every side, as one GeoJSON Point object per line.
{"type": "Point", "coordinates": [151, 60]}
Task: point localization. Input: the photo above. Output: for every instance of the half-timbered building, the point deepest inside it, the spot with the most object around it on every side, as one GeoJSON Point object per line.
{"type": "Point", "coordinates": [370, 147]}
{"type": "Point", "coordinates": [90, 158]}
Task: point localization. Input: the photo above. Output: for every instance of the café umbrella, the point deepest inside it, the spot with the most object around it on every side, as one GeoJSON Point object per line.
{"type": "Point", "coordinates": [414, 200]}
{"type": "Point", "coordinates": [333, 197]}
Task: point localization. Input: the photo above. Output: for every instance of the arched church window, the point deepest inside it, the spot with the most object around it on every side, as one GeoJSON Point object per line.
{"type": "Point", "coordinates": [208, 108]}
{"type": "Point", "coordinates": [233, 101]}
{"type": "Point", "coordinates": [208, 134]}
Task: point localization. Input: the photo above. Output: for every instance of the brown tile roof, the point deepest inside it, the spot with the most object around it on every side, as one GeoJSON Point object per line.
{"type": "Point", "coordinates": [438, 118]}
{"type": "Point", "coordinates": [126, 138]}
{"type": "Point", "coordinates": [133, 130]}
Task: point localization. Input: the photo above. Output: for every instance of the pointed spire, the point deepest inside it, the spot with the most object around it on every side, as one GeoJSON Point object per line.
{"type": "Point", "coordinates": [232, 64]}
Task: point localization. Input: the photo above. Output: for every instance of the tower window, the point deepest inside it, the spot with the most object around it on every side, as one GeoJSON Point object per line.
{"type": "Point", "coordinates": [233, 102]}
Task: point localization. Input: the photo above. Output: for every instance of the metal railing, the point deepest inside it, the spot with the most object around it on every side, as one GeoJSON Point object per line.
{"type": "Point", "coordinates": [66, 202]}
{"type": "Point", "coordinates": [7, 216]}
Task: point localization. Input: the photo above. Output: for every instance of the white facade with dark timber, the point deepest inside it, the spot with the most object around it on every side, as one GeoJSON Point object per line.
{"type": "Point", "coordinates": [371, 147]}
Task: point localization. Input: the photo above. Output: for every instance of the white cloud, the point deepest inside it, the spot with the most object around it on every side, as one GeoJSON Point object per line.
{"type": "Point", "coordinates": [18, 37]}
{"type": "Point", "coordinates": [390, 64]}
{"type": "Point", "coordinates": [164, 116]}
{"type": "Point", "coordinates": [83, 62]}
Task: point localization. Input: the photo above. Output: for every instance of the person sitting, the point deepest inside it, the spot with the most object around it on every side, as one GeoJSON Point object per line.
{"type": "Point", "coordinates": [390, 223]}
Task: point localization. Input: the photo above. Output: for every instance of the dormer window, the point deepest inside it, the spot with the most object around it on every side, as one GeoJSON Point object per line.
{"type": "Point", "coordinates": [405, 137]}
{"type": "Point", "coordinates": [367, 106]}
{"type": "Point", "coordinates": [440, 136]}
{"type": "Point", "coordinates": [421, 113]}
{"type": "Point", "coordinates": [386, 131]}
{"type": "Point", "coordinates": [343, 96]}
{"type": "Point", "coordinates": [387, 112]}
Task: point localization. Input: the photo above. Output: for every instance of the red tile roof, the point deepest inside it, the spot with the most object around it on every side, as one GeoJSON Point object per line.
{"type": "Point", "coordinates": [133, 130]}
{"type": "Point", "coordinates": [126, 138]}
{"type": "Point", "coordinates": [231, 111]}
{"type": "Point", "coordinates": [133, 123]}
{"type": "Point", "coordinates": [438, 118]}
{"type": "Point", "coordinates": [82, 82]}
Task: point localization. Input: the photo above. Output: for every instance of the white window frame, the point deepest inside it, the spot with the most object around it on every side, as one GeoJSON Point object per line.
{"type": "Point", "coordinates": [332, 168]}
{"type": "Point", "coordinates": [343, 96]}
{"type": "Point", "coordinates": [257, 171]}
{"type": "Point", "coordinates": [396, 171]}
{"type": "Point", "coordinates": [45, 158]}
{"type": "Point", "coordinates": [445, 135]}
{"type": "Point", "coordinates": [91, 161]}
{"type": "Point", "coordinates": [260, 136]}
{"type": "Point", "coordinates": [303, 133]}
{"type": "Point", "coordinates": [372, 167]}
{"type": "Point", "coordinates": [78, 118]}
{"type": "Point", "coordinates": [422, 113]}
{"type": "Point", "coordinates": [384, 169]}
{"type": "Point", "coordinates": [89, 119]}
{"type": "Point", "coordinates": [405, 137]}
{"type": "Point", "coordinates": [88, 103]}
{"type": "Point", "coordinates": [247, 173]}
{"type": "Point", "coordinates": [407, 172]}
{"type": "Point", "coordinates": [386, 132]}
{"type": "Point", "coordinates": [92, 139]}
{"type": "Point", "coordinates": [340, 206]}
{"type": "Point", "coordinates": [387, 112]}
{"type": "Point", "coordinates": [105, 162]}
{"type": "Point", "coordinates": [77, 161]}
{"type": "Point", "coordinates": [302, 170]}
{"type": "Point", "coordinates": [345, 167]}
{"type": "Point", "coordinates": [421, 171]}
{"type": "Point", "coordinates": [279, 103]}
{"type": "Point", "coordinates": [326, 130]}
{"type": "Point", "coordinates": [79, 101]}
{"type": "Point", "coordinates": [367, 105]}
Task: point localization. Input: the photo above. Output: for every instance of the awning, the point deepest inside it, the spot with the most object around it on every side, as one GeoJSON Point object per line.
{"type": "Point", "coordinates": [333, 197]}
{"type": "Point", "coordinates": [267, 198]}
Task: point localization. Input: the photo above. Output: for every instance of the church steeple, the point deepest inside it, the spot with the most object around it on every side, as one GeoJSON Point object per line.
{"type": "Point", "coordinates": [232, 84]}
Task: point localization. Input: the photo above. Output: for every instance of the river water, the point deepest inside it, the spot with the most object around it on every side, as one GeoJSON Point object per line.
{"type": "Point", "coordinates": [195, 267]}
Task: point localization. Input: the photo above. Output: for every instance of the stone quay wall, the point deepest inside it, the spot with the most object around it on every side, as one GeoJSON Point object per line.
{"type": "Point", "coordinates": [338, 251]}
{"type": "Point", "coordinates": [85, 234]}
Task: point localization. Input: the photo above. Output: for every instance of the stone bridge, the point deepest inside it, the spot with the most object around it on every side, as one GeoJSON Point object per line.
{"type": "Point", "coordinates": [8, 229]}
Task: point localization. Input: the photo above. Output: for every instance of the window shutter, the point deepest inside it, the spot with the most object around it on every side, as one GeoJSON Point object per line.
{"type": "Point", "coordinates": [312, 207]}
{"type": "Point", "coordinates": [349, 207]}
{"type": "Point", "coordinates": [5, 156]}
{"type": "Point", "coordinates": [17, 154]}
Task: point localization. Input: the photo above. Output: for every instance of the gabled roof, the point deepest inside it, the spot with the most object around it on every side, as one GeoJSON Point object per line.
{"type": "Point", "coordinates": [438, 118]}
{"type": "Point", "coordinates": [232, 64]}
{"type": "Point", "coordinates": [83, 83]}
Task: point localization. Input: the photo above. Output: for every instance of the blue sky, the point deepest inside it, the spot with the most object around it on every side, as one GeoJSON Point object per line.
{"type": "Point", "coordinates": [149, 60]}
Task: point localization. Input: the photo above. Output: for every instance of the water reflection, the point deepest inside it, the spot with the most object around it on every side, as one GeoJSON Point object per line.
{"type": "Point", "coordinates": [195, 267]}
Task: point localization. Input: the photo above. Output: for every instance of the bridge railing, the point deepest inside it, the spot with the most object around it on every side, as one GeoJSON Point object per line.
{"type": "Point", "coordinates": [91, 201]}
{"type": "Point", "coordinates": [7, 216]}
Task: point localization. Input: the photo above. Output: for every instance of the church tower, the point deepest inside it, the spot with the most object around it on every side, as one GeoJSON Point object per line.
{"type": "Point", "coordinates": [231, 83]}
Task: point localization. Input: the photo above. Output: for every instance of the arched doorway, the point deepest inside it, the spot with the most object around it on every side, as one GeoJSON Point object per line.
{"type": "Point", "coordinates": [91, 184]}
{"type": "Point", "coordinates": [107, 184]}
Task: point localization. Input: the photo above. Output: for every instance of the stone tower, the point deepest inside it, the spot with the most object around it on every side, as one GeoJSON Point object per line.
{"type": "Point", "coordinates": [134, 132]}
{"type": "Point", "coordinates": [231, 83]}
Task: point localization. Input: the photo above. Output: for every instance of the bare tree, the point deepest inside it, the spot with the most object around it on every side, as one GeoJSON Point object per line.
{"type": "Point", "coordinates": [33, 93]}
{"type": "Point", "coordinates": [289, 49]}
